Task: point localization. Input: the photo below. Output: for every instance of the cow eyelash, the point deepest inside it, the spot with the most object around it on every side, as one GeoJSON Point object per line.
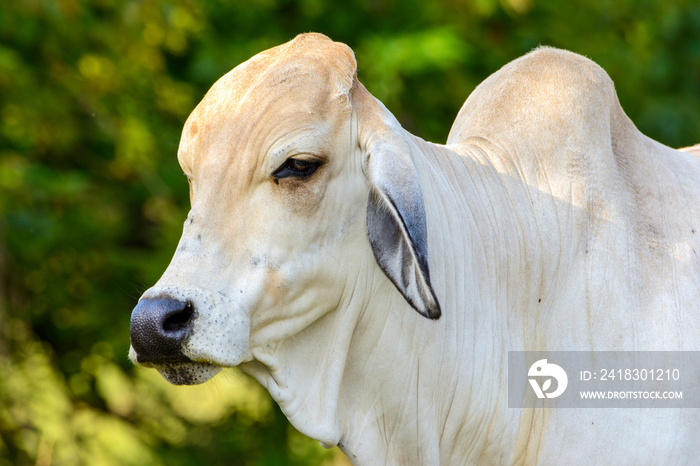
{"type": "Point", "coordinates": [297, 168]}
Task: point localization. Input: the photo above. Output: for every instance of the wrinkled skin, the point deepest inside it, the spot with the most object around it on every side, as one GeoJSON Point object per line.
{"type": "Point", "coordinates": [548, 222]}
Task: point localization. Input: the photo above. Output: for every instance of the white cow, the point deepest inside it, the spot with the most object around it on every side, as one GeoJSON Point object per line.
{"type": "Point", "coordinates": [319, 227]}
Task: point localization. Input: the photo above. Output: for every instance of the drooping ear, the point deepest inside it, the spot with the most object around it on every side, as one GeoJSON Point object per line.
{"type": "Point", "coordinates": [396, 222]}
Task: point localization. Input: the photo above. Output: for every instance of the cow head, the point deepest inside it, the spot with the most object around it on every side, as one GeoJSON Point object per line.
{"type": "Point", "coordinates": [302, 187]}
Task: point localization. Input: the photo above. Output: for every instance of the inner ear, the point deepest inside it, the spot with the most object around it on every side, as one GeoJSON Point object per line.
{"type": "Point", "coordinates": [400, 249]}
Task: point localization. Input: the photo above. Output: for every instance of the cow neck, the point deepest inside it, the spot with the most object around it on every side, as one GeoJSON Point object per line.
{"type": "Point", "coordinates": [414, 391]}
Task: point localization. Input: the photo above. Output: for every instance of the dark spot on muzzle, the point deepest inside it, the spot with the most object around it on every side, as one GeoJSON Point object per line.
{"type": "Point", "coordinates": [158, 329]}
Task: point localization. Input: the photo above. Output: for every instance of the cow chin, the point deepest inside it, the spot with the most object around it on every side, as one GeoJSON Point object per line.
{"type": "Point", "coordinates": [187, 373]}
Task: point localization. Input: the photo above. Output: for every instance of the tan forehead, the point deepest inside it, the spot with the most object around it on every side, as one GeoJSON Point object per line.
{"type": "Point", "coordinates": [274, 88]}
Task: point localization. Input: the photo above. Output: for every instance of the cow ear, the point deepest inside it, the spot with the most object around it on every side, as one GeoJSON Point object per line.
{"type": "Point", "coordinates": [396, 227]}
{"type": "Point", "coordinates": [396, 222]}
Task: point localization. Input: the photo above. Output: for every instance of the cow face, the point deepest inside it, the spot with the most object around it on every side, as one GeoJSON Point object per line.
{"type": "Point", "coordinates": [280, 164]}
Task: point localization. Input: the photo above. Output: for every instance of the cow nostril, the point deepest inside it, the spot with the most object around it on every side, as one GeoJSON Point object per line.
{"type": "Point", "coordinates": [180, 319]}
{"type": "Point", "coordinates": [159, 327]}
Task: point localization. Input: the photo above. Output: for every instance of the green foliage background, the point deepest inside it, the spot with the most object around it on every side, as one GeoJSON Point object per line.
{"type": "Point", "coordinates": [93, 94]}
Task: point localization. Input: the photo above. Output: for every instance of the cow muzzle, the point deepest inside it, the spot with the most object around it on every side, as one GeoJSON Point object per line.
{"type": "Point", "coordinates": [160, 328]}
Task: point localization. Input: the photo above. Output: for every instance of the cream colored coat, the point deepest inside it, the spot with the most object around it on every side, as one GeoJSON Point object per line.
{"type": "Point", "coordinates": [547, 222]}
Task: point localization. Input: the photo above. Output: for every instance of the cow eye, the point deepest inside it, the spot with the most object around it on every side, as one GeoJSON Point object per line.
{"type": "Point", "coordinates": [296, 168]}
